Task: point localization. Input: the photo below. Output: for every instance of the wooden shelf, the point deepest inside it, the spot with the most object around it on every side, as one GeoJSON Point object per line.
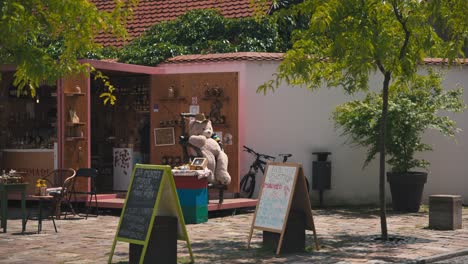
{"type": "Point", "coordinates": [142, 112]}
{"type": "Point", "coordinates": [74, 138]}
{"type": "Point", "coordinates": [179, 98]}
{"type": "Point", "coordinates": [221, 98]}
{"type": "Point", "coordinates": [74, 94]}
{"type": "Point", "coordinates": [69, 94]}
{"type": "Point", "coordinates": [71, 124]}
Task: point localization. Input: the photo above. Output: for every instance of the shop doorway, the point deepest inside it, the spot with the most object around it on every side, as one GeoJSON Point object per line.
{"type": "Point", "coordinates": [120, 133]}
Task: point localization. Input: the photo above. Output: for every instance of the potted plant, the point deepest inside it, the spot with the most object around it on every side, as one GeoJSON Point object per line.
{"type": "Point", "coordinates": [414, 106]}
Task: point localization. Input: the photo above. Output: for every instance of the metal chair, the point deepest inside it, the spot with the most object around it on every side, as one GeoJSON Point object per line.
{"type": "Point", "coordinates": [90, 174]}
{"type": "Point", "coordinates": [59, 183]}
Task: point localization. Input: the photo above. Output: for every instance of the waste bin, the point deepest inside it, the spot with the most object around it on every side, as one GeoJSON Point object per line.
{"type": "Point", "coordinates": [321, 174]}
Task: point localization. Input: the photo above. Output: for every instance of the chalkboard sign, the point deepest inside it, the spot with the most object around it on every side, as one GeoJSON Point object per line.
{"type": "Point", "coordinates": [276, 194]}
{"type": "Point", "coordinates": [141, 200]}
{"type": "Point", "coordinates": [151, 193]}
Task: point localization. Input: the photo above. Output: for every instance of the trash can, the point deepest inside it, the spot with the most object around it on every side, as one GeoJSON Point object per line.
{"type": "Point", "coordinates": [321, 174]}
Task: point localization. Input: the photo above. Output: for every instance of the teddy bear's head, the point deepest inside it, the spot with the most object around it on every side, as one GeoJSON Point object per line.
{"type": "Point", "coordinates": [201, 127]}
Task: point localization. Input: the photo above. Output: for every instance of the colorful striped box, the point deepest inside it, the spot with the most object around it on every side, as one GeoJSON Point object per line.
{"type": "Point", "coordinates": [193, 198]}
{"type": "Point", "coordinates": [195, 214]}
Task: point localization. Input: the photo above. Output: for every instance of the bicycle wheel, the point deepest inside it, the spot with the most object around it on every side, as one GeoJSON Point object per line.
{"type": "Point", "coordinates": [247, 185]}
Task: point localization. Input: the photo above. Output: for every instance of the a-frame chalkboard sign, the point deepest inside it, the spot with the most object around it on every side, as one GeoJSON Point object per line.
{"type": "Point", "coordinates": [283, 189]}
{"type": "Point", "coordinates": [151, 193]}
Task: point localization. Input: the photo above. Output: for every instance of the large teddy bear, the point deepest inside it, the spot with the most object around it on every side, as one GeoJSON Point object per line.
{"type": "Point", "coordinates": [200, 136]}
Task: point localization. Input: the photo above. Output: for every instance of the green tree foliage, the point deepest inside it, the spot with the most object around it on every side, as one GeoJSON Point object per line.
{"type": "Point", "coordinates": [289, 17]}
{"type": "Point", "coordinates": [201, 32]}
{"type": "Point", "coordinates": [414, 106]}
{"type": "Point", "coordinates": [347, 40]}
{"type": "Point", "coordinates": [45, 38]}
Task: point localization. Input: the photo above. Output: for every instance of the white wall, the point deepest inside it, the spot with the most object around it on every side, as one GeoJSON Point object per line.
{"type": "Point", "coordinates": [448, 173]}
{"type": "Point", "coordinates": [296, 120]}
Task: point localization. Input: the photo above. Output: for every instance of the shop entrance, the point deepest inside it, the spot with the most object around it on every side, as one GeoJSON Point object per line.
{"type": "Point", "coordinates": [28, 130]}
{"type": "Point", "coordinates": [120, 133]}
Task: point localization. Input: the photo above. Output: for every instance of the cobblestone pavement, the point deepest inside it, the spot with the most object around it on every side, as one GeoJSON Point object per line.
{"type": "Point", "coordinates": [345, 236]}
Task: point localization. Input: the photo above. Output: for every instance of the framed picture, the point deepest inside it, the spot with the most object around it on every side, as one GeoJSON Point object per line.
{"type": "Point", "coordinates": [164, 136]}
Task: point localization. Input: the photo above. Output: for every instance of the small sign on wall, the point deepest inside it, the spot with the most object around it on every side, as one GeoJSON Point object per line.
{"type": "Point", "coordinates": [194, 109]}
{"type": "Point", "coordinates": [227, 140]}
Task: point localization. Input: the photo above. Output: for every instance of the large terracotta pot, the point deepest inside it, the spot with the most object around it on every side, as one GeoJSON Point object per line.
{"type": "Point", "coordinates": [407, 189]}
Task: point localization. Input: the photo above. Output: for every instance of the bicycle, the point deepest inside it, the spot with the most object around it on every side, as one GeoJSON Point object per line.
{"type": "Point", "coordinates": [247, 183]}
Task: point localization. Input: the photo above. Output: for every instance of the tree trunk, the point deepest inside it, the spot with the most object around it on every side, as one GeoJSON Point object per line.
{"type": "Point", "coordinates": [383, 129]}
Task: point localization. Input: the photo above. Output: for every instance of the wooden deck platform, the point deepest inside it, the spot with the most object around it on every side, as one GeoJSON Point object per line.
{"type": "Point", "coordinates": [107, 201]}
{"type": "Point", "coordinates": [116, 201]}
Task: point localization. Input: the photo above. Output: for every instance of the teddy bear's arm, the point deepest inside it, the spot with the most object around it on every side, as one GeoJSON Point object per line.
{"type": "Point", "coordinates": [197, 141]}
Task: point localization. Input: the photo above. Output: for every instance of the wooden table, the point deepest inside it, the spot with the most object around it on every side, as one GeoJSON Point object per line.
{"type": "Point", "coordinates": [42, 199]}
{"type": "Point", "coordinates": [5, 188]}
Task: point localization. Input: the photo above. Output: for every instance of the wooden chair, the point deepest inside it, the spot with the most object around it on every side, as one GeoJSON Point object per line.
{"type": "Point", "coordinates": [59, 183]}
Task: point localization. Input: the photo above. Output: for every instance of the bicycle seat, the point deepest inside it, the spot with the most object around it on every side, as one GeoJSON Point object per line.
{"type": "Point", "coordinates": [285, 155]}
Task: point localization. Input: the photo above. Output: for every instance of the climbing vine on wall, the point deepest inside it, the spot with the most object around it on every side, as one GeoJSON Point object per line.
{"type": "Point", "coordinates": [202, 32]}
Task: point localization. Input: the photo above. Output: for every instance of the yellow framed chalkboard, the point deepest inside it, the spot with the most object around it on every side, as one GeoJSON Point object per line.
{"type": "Point", "coordinates": [151, 193]}
{"type": "Point", "coordinates": [284, 188]}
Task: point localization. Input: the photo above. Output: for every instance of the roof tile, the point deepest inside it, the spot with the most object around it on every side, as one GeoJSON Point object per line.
{"type": "Point", "coordinates": [238, 56]}
{"type": "Point", "coordinates": [148, 13]}
{"type": "Point", "coordinates": [263, 56]}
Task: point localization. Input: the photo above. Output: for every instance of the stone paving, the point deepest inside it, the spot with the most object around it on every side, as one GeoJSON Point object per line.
{"type": "Point", "coordinates": [345, 236]}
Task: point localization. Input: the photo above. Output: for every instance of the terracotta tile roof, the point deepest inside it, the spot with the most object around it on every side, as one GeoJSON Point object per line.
{"type": "Point", "coordinates": [238, 56]}
{"type": "Point", "coordinates": [150, 12]}
{"type": "Point", "coordinates": [439, 61]}
{"type": "Point", "coordinates": [261, 56]}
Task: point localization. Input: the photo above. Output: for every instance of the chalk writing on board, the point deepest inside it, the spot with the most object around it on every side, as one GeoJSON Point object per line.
{"type": "Point", "coordinates": [276, 191]}
{"type": "Point", "coordinates": [140, 204]}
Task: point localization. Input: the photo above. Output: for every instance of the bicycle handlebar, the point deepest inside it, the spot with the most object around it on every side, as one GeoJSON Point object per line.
{"type": "Point", "coordinates": [267, 157]}
{"type": "Point", "coordinates": [249, 150]}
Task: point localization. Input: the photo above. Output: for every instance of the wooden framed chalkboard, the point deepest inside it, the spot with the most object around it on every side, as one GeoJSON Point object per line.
{"type": "Point", "coordinates": [284, 188]}
{"type": "Point", "coordinates": [151, 193]}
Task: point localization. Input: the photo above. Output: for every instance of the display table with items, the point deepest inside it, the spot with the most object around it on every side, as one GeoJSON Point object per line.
{"type": "Point", "coordinates": [193, 194]}
{"type": "Point", "coordinates": [9, 183]}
